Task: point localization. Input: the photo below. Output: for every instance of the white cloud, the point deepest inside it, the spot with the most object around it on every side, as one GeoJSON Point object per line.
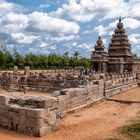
{"type": "Point", "coordinates": [13, 22]}
{"type": "Point", "coordinates": [43, 45]}
{"type": "Point", "coordinates": [86, 10]}
{"type": "Point", "coordinates": [23, 39]}
{"type": "Point", "coordinates": [85, 46]}
{"type": "Point", "coordinates": [26, 28]}
{"type": "Point", "coordinates": [6, 7]}
{"type": "Point", "coordinates": [48, 24]}
{"type": "Point", "coordinates": [130, 23]}
{"type": "Point", "coordinates": [134, 38]}
{"type": "Point", "coordinates": [64, 38]}
{"type": "Point", "coordinates": [42, 6]}
{"type": "Point", "coordinates": [101, 30]}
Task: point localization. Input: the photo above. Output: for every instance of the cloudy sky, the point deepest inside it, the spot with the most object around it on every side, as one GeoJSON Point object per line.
{"type": "Point", "coordinates": [48, 26]}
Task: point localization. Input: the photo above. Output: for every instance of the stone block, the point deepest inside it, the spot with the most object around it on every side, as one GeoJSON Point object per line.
{"type": "Point", "coordinates": [13, 117]}
{"type": "Point", "coordinates": [32, 122]}
{"type": "Point", "coordinates": [21, 128]}
{"type": "Point", "coordinates": [36, 113]}
{"type": "Point", "coordinates": [4, 125]}
{"type": "Point", "coordinates": [55, 94]}
{"type": "Point", "coordinates": [56, 126]}
{"type": "Point", "coordinates": [47, 111]}
{"type": "Point", "coordinates": [77, 100]}
{"type": "Point", "coordinates": [101, 84]}
{"type": "Point", "coordinates": [78, 91]}
{"type": "Point", "coordinates": [55, 105]}
{"type": "Point", "coordinates": [95, 87]}
{"type": "Point", "coordinates": [46, 103]}
{"type": "Point", "coordinates": [22, 111]}
{"type": "Point", "coordinates": [62, 103]}
{"type": "Point", "coordinates": [89, 88]}
{"type": "Point", "coordinates": [4, 120]}
{"type": "Point", "coordinates": [14, 108]}
{"type": "Point", "coordinates": [22, 120]}
{"type": "Point", "coordinates": [72, 93]}
{"type": "Point", "coordinates": [51, 119]}
{"type": "Point", "coordinates": [4, 110]}
{"type": "Point", "coordinates": [4, 100]}
{"type": "Point", "coordinates": [40, 131]}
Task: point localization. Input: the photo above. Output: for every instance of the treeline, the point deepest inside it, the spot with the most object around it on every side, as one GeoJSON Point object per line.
{"type": "Point", "coordinates": [9, 60]}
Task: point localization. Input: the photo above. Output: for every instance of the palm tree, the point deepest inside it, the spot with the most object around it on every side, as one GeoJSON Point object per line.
{"type": "Point", "coordinates": [76, 56]}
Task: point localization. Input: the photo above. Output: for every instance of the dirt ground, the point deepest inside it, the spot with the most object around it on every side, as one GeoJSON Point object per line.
{"type": "Point", "coordinates": [95, 123]}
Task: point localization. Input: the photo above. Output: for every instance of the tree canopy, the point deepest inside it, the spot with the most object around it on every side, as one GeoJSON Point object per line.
{"type": "Point", "coordinates": [41, 61]}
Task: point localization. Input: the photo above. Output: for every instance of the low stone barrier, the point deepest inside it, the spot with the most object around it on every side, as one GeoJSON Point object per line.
{"type": "Point", "coordinates": [29, 115]}
{"type": "Point", "coordinates": [38, 116]}
{"type": "Point", "coordinates": [81, 97]}
{"type": "Point", "coordinates": [120, 89]}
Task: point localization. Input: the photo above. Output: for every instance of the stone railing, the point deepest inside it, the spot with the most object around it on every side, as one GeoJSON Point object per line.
{"type": "Point", "coordinates": [117, 83]}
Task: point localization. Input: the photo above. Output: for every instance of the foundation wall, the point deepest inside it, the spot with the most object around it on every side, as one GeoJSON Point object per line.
{"type": "Point", "coordinates": [38, 116]}
{"type": "Point", "coordinates": [33, 116]}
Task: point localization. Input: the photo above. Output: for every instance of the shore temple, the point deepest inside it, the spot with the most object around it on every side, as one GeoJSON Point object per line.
{"type": "Point", "coordinates": [119, 57]}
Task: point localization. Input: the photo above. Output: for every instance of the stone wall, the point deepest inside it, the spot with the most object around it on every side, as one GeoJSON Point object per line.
{"type": "Point", "coordinates": [117, 83]}
{"type": "Point", "coordinates": [41, 80]}
{"type": "Point", "coordinates": [39, 115]}
{"type": "Point", "coordinates": [29, 115]}
{"type": "Point", "coordinates": [76, 98]}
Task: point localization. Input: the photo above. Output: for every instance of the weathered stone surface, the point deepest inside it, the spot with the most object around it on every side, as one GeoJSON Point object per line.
{"type": "Point", "coordinates": [4, 120]}
{"type": "Point", "coordinates": [36, 113]}
{"type": "Point", "coordinates": [22, 120]}
{"type": "Point", "coordinates": [56, 126]}
{"type": "Point", "coordinates": [21, 128]}
{"type": "Point", "coordinates": [14, 108]}
{"type": "Point", "coordinates": [46, 103]}
{"type": "Point", "coordinates": [41, 131]}
{"type": "Point", "coordinates": [51, 119]}
{"type": "Point", "coordinates": [32, 122]}
{"type": "Point", "coordinates": [22, 111]}
{"type": "Point", "coordinates": [4, 99]}
{"type": "Point", "coordinates": [13, 117]}
{"type": "Point", "coordinates": [55, 94]}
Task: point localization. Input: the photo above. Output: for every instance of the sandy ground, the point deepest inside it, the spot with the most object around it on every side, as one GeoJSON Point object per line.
{"type": "Point", "coordinates": [95, 123]}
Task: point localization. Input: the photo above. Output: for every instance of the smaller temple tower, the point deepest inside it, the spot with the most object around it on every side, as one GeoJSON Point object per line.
{"type": "Point", "coordinates": [99, 57]}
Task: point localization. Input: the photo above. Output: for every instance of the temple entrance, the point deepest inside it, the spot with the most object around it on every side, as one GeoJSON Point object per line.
{"type": "Point", "coordinates": [96, 66]}
{"type": "Point", "coordinates": [128, 68]}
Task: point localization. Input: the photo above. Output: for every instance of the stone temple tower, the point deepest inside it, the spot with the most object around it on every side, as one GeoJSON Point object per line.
{"type": "Point", "coordinates": [99, 57]}
{"type": "Point", "coordinates": [119, 51]}
{"type": "Point", "coordinates": [119, 58]}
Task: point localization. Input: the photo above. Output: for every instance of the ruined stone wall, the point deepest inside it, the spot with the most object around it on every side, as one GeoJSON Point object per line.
{"type": "Point", "coordinates": [41, 80]}
{"type": "Point", "coordinates": [28, 115]}
{"type": "Point", "coordinates": [83, 96]}
{"type": "Point", "coordinates": [39, 115]}
{"type": "Point", "coordinates": [117, 83]}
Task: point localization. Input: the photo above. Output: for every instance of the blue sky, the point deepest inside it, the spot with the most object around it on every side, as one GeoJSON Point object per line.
{"type": "Point", "coordinates": [57, 26]}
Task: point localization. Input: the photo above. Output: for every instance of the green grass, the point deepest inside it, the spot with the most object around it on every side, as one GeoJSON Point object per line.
{"type": "Point", "coordinates": [132, 131]}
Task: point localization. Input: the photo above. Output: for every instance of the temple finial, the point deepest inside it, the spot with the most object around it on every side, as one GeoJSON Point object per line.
{"type": "Point", "coordinates": [99, 37]}
{"type": "Point", "coordinates": [120, 19]}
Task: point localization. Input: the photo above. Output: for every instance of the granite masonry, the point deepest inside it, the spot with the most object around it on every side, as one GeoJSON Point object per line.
{"type": "Point", "coordinates": [67, 92]}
